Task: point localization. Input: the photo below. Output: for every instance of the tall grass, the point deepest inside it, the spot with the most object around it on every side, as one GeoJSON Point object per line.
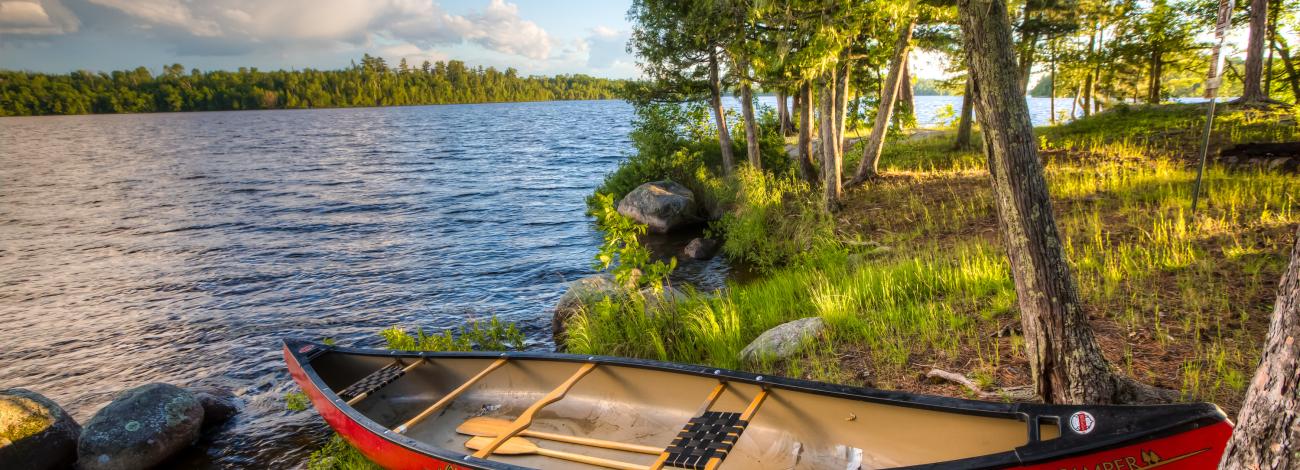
{"type": "Point", "coordinates": [912, 273]}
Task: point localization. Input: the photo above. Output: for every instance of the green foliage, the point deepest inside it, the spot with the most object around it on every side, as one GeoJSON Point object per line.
{"type": "Point", "coordinates": [337, 454]}
{"type": "Point", "coordinates": [494, 335]}
{"type": "Point", "coordinates": [622, 253]}
{"type": "Point", "coordinates": [296, 401]}
{"type": "Point", "coordinates": [776, 220]}
{"type": "Point", "coordinates": [372, 83]}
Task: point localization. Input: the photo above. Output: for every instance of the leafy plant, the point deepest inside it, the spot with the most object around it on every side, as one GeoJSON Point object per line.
{"type": "Point", "coordinates": [622, 253]}
{"type": "Point", "coordinates": [495, 335]}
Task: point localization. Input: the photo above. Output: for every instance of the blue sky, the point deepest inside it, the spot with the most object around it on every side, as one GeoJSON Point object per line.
{"type": "Point", "coordinates": [534, 36]}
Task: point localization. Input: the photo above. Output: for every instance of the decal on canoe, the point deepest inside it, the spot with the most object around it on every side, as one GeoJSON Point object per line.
{"type": "Point", "coordinates": [1146, 459]}
{"type": "Point", "coordinates": [1082, 422]}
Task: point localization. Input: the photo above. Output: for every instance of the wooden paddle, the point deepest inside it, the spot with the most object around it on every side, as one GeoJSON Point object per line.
{"type": "Point", "coordinates": [521, 446]}
{"type": "Point", "coordinates": [492, 427]}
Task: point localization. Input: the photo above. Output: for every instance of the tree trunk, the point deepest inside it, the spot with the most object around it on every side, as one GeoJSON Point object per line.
{"type": "Point", "coordinates": [806, 166]}
{"type": "Point", "coordinates": [1153, 85]}
{"type": "Point", "coordinates": [719, 116]}
{"type": "Point", "coordinates": [1251, 89]}
{"type": "Point", "coordinates": [830, 180]}
{"type": "Point", "coordinates": [1272, 42]}
{"type": "Point", "coordinates": [1089, 77]}
{"type": "Point", "coordinates": [1028, 41]}
{"type": "Point", "coordinates": [841, 110]}
{"type": "Point", "coordinates": [796, 102]}
{"type": "Point", "coordinates": [1066, 363]}
{"type": "Point", "coordinates": [1293, 78]}
{"type": "Point", "coordinates": [1051, 91]}
{"type": "Point", "coordinates": [751, 125]}
{"type": "Point", "coordinates": [782, 113]}
{"type": "Point", "coordinates": [967, 114]}
{"type": "Point", "coordinates": [869, 166]}
{"type": "Point", "coordinates": [1268, 426]}
{"type": "Point", "coordinates": [906, 100]}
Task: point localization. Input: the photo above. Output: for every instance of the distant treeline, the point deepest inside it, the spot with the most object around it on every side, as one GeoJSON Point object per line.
{"type": "Point", "coordinates": [371, 83]}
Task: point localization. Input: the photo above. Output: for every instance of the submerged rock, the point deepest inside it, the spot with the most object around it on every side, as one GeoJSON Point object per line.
{"type": "Point", "coordinates": [219, 404]}
{"type": "Point", "coordinates": [661, 205]}
{"type": "Point", "coordinates": [141, 428]}
{"type": "Point", "coordinates": [35, 432]}
{"type": "Point", "coordinates": [782, 341]}
{"type": "Point", "coordinates": [580, 293]}
{"type": "Point", "coordinates": [701, 248]}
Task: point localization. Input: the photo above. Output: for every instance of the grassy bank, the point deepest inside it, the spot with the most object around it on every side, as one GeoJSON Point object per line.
{"type": "Point", "coordinates": [911, 274]}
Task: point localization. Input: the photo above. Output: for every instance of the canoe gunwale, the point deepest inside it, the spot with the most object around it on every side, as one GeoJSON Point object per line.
{"type": "Point", "coordinates": [1165, 420]}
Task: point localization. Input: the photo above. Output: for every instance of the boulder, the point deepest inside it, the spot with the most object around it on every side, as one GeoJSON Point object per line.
{"type": "Point", "coordinates": [219, 404]}
{"type": "Point", "coordinates": [580, 293]}
{"type": "Point", "coordinates": [35, 433]}
{"type": "Point", "coordinates": [701, 248]}
{"type": "Point", "coordinates": [656, 301]}
{"type": "Point", "coordinates": [141, 428]}
{"type": "Point", "coordinates": [661, 205]}
{"type": "Point", "coordinates": [782, 341]}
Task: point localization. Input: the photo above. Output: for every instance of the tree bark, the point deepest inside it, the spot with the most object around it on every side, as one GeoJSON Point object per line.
{"type": "Point", "coordinates": [1251, 89]}
{"type": "Point", "coordinates": [751, 125]}
{"type": "Point", "coordinates": [1268, 427]}
{"type": "Point", "coordinates": [967, 114]}
{"type": "Point", "coordinates": [869, 166]}
{"type": "Point", "coordinates": [806, 166]}
{"type": "Point", "coordinates": [830, 180]}
{"type": "Point", "coordinates": [719, 116]}
{"type": "Point", "coordinates": [1065, 361]}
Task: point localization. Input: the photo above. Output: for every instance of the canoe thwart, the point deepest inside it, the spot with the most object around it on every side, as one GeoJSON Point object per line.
{"type": "Point", "coordinates": [376, 380]}
{"type": "Point", "coordinates": [525, 419]}
{"type": "Point", "coordinates": [447, 399]}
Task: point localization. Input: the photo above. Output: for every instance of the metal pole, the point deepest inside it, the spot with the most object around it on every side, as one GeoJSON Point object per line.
{"type": "Point", "coordinates": [1211, 91]}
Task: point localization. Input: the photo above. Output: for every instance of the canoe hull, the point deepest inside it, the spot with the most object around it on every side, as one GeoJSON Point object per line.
{"type": "Point", "coordinates": [1193, 439]}
{"type": "Point", "coordinates": [1200, 448]}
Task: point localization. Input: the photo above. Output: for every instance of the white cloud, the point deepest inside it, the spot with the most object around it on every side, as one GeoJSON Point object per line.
{"type": "Point", "coordinates": [43, 17]}
{"type": "Point", "coordinates": [422, 23]}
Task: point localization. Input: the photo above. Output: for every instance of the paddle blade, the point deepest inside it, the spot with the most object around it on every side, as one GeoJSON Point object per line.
{"type": "Point", "coordinates": [483, 426]}
{"type": "Point", "coordinates": [512, 446]}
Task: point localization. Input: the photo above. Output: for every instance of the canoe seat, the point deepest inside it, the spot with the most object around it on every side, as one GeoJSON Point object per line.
{"type": "Point", "coordinates": [375, 381]}
{"type": "Point", "coordinates": [705, 437]}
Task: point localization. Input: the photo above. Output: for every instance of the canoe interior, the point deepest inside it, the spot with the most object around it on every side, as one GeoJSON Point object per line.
{"type": "Point", "coordinates": [793, 429]}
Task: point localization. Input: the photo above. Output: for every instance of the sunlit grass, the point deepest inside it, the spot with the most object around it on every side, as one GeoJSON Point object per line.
{"type": "Point", "coordinates": [918, 277]}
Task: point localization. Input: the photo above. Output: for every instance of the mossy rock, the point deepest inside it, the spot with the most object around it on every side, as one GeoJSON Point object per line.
{"type": "Point", "coordinates": [35, 432]}
{"type": "Point", "coordinates": [141, 428]}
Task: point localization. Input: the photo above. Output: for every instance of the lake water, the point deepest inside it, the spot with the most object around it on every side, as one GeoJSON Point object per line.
{"type": "Point", "coordinates": [181, 247]}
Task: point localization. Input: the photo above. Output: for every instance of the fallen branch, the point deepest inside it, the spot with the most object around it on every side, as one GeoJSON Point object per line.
{"type": "Point", "coordinates": [1009, 393]}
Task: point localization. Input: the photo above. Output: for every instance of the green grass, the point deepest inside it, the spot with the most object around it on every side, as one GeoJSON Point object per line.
{"type": "Point", "coordinates": [911, 273]}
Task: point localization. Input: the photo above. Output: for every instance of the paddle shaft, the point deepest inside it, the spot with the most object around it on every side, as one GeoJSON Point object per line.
{"type": "Point", "coordinates": [587, 459]}
{"type": "Point", "coordinates": [586, 441]}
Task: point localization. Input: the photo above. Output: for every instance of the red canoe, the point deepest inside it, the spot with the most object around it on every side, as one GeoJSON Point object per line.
{"type": "Point", "coordinates": [417, 410]}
